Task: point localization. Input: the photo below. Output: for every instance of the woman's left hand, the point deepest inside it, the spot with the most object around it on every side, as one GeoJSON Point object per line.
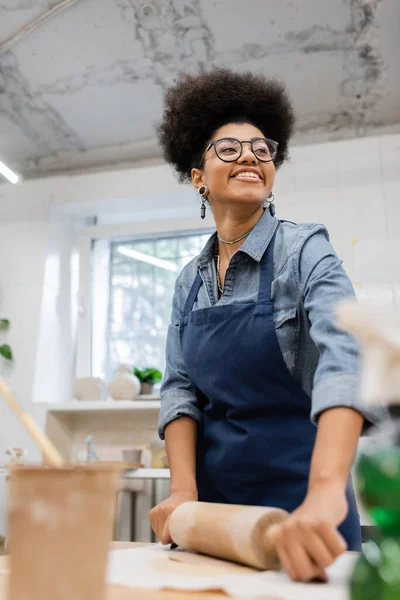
{"type": "Point", "coordinates": [308, 541]}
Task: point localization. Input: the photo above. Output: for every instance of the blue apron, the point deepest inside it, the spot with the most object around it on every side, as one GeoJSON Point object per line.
{"type": "Point", "coordinates": [257, 439]}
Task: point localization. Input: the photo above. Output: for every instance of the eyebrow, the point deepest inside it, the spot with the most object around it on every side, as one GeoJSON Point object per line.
{"type": "Point", "coordinates": [257, 137]}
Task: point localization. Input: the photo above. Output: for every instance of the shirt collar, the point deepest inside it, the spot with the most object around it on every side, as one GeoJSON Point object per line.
{"type": "Point", "coordinates": [255, 245]}
{"type": "Point", "coordinates": [257, 242]}
{"type": "Point", "coordinates": [207, 253]}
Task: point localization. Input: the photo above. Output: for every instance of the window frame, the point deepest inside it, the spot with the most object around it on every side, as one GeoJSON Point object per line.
{"type": "Point", "coordinates": [117, 232]}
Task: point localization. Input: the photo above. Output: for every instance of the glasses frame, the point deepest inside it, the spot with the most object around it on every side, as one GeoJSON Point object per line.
{"type": "Point", "coordinates": [252, 141]}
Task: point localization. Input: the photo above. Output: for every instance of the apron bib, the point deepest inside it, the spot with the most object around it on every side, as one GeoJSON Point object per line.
{"type": "Point", "coordinates": [257, 438]}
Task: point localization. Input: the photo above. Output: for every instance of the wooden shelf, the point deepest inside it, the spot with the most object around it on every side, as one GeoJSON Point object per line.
{"type": "Point", "coordinates": [147, 474]}
{"type": "Point", "coordinates": [144, 403]}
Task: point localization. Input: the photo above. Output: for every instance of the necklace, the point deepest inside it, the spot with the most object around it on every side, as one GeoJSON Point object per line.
{"type": "Point", "coordinates": [217, 266]}
{"type": "Point", "coordinates": [237, 240]}
{"type": "Point", "coordinates": [216, 254]}
{"type": "Point", "coordinates": [221, 289]}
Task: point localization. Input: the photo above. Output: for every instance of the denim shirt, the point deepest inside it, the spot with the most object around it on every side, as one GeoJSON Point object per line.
{"type": "Point", "coordinates": [308, 282]}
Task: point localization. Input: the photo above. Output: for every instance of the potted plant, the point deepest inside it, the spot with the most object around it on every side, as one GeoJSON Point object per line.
{"type": "Point", "coordinates": [147, 377]}
{"type": "Point", "coordinates": [5, 350]}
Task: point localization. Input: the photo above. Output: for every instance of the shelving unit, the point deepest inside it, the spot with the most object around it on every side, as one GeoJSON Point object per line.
{"type": "Point", "coordinates": [109, 405]}
{"type": "Point", "coordinates": [113, 423]}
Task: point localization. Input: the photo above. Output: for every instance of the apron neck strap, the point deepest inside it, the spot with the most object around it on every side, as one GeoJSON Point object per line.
{"type": "Point", "coordinates": [267, 272]}
{"type": "Point", "coordinates": [194, 290]}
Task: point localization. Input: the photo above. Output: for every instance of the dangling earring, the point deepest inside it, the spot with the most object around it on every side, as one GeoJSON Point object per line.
{"type": "Point", "coordinates": [270, 204]}
{"type": "Point", "coordinates": [203, 192]}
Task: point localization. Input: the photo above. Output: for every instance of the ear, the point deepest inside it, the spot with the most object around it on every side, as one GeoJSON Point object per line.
{"type": "Point", "coordinates": [197, 178]}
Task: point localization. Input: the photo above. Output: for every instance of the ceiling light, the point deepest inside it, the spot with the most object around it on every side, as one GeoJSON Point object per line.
{"type": "Point", "coordinates": [147, 258]}
{"type": "Point", "coordinates": [8, 174]}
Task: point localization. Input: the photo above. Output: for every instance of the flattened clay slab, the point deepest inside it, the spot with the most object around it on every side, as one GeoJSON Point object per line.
{"type": "Point", "coordinates": [191, 564]}
{"type": "Point", "coordinates": [185, 571]}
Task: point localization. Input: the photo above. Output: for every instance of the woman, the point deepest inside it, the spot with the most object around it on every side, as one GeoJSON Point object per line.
{"type": "Point", "coordinates": [258, 401]}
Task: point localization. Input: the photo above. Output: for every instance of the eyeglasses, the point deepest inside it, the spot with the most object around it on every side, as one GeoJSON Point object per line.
{"type": "Point", "coordinates": [230, 149]}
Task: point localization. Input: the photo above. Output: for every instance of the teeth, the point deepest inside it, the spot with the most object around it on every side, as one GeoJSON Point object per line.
{"type": "Point", "coordinates": [246, 174]}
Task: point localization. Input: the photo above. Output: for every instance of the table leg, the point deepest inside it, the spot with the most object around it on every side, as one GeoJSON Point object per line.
{"type": "Point", "coordinates": [133, 515]}
{"type": "Point", "coordinates": [117, 515]}
{"type": "Point", "coordinates": [153, 504]}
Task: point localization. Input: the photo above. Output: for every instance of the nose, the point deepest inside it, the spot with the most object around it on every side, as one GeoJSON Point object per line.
{"type": "Point", "coordinates": [247, 155]}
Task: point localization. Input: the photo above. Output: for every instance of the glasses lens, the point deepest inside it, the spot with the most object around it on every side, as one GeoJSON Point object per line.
{"type": "Point", "coordinates": [264, 149]}
{"type": "Point", "coordinates": [228, 149]}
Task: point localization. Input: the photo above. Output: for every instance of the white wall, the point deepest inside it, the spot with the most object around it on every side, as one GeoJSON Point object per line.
{"type": "Point", "coordinates": [22, 257]}
{"type": "Point", "coordinates": [55, 355]}
{"type": "Point", "coordinates": [353, 187]}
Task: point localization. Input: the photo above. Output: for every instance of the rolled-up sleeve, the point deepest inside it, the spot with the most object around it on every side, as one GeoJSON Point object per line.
{"type": "Point", "coordinates": [178, 397]}
{"type": "Point", "coordinates": [323, 284]}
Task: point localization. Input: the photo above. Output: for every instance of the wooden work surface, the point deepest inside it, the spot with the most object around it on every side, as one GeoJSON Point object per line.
{"type": "Point", "coordinates": [115, 592]}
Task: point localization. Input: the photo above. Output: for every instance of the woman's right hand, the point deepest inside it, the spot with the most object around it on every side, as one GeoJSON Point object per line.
{"type": "Point", "coordinates": [159, 515]}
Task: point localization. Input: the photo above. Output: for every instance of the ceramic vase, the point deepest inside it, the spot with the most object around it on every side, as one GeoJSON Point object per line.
{"type": "Point", "coordinates": [125, 385]}
{"type": "Point", "coordinates": [89, 388]}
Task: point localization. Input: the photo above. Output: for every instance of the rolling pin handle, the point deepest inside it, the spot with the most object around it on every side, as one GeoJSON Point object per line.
{"type": "Point", "coordinates": [269, 544]}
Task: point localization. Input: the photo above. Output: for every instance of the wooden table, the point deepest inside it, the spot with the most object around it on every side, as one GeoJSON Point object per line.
{"type": "Point", "coordinates": [115, 592]}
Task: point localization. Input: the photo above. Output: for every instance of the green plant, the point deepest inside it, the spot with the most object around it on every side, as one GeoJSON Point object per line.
{"type": "Point", "coordinates": [5, 350]}
{"type": "Point", "coordinates": [148, 375]}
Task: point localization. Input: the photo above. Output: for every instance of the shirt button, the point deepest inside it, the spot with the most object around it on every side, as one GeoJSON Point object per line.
{"type": "Point", "coordinates": [232, 277]}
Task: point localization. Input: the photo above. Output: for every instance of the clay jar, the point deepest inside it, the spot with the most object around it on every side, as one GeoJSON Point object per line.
{"type": "Point", "coordinates": [125, 385]}
{"type": "Point", "coordinates": [89, 388]}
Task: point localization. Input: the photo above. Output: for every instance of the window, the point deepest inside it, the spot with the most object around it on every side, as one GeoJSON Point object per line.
{"type": "Point", "coordinates": [133, 283]}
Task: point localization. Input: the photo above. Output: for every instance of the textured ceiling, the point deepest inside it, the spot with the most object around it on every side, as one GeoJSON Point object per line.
{"type": "Point", "coordinates": [83, 89]}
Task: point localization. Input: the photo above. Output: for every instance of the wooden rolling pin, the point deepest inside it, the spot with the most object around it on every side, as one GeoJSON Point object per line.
{"type": "Point", "coordinates": [233, 532]}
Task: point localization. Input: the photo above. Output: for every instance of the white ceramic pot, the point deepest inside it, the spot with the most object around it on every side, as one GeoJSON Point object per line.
{"type": "Point", "coordinates": [125, 385]}
{"type": "Point", "coordinates": [89, 388]}
{"type": "Point", "coordinates": [132, 454]}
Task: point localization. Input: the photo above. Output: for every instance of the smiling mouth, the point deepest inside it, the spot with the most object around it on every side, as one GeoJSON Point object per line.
{"type": "Point", "coordinates": [248, 176]}
{"type": "Point", "coordinates": [247, 179]}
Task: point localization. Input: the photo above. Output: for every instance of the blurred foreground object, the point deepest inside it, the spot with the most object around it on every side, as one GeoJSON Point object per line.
{"type": "Point", "coordinates": [377, 573]}
{"type": "Point", "coordinates": [60, 528]}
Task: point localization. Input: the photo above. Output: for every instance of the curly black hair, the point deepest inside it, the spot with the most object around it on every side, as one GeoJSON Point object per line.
{"type": "Point", "coordinates": [198, 105]}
